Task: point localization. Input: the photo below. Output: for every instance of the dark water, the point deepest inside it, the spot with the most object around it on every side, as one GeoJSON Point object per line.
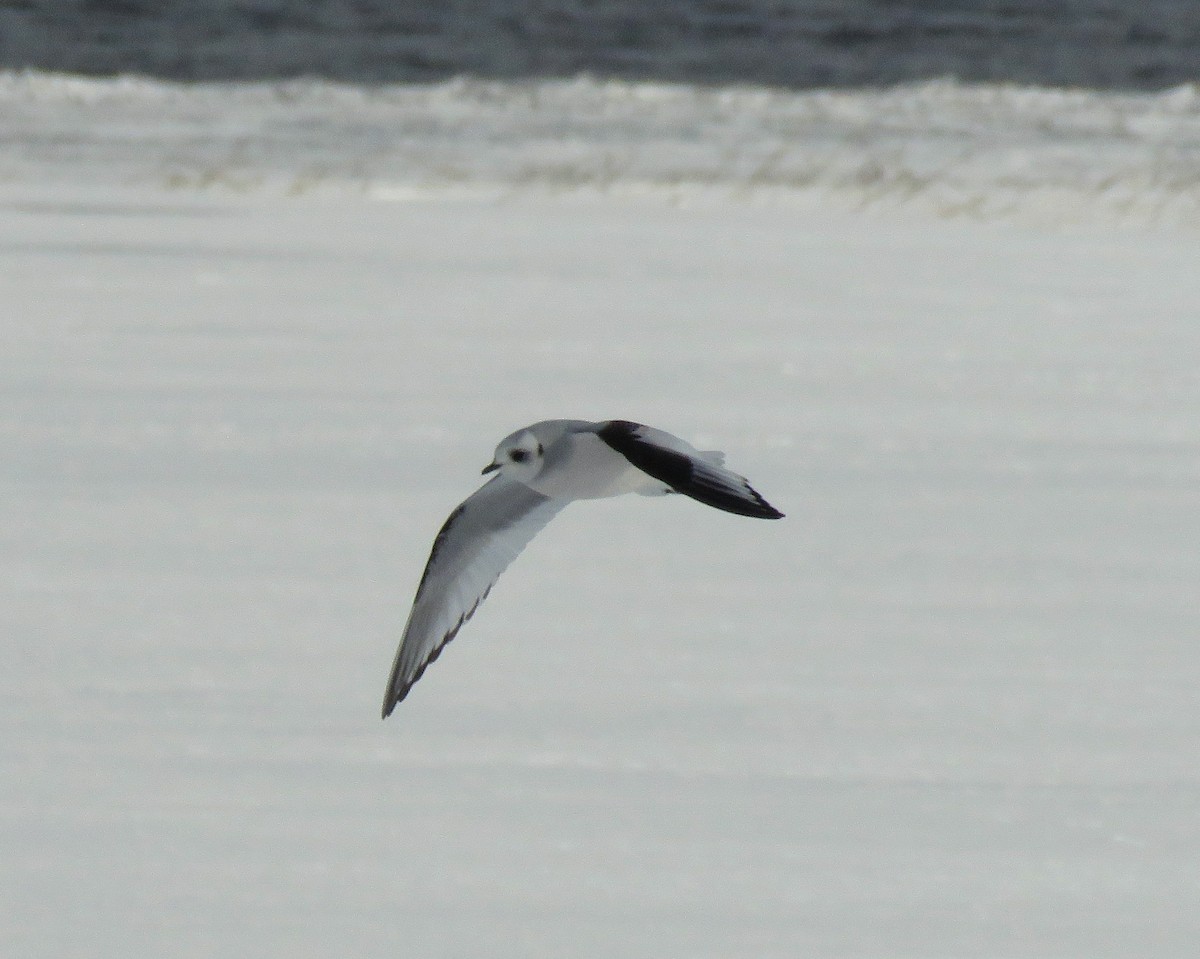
{"type": "Point", "coordinates": [1138, 44]}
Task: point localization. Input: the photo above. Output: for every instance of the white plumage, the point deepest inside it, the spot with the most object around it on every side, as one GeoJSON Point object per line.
{"type": "Point", "coordinates": [540, 469]}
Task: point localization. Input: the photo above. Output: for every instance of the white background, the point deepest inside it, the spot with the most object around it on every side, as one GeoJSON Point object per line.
{"type": "Point", "coordinates": [946, 708]}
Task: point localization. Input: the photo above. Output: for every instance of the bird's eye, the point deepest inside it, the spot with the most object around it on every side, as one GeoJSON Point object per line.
{"type": "Point", "coordinates": [518, 456]}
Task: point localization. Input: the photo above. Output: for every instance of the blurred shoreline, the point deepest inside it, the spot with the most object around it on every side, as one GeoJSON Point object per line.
{"type": "Point", "coordinates": [942, 149]}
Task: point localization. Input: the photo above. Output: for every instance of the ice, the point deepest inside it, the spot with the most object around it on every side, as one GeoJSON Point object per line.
{"type": "Point", "coordinates": [939, 148]}
{"type": "Point", "coordinates": [945, 708]}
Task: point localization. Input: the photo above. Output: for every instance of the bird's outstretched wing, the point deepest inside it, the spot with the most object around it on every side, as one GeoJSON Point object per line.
{"type": "Point", "coordinates": [476, 544]}
{"type": "Point", "coordinates": [685, 469]}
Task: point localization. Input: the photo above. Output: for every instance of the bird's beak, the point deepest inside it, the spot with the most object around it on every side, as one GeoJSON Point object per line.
{"type": "Point", "coordinates": [490, 468]}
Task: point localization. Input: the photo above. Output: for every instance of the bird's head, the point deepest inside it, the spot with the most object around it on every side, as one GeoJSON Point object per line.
{"type": "Point", "coordinates": [519, 456]}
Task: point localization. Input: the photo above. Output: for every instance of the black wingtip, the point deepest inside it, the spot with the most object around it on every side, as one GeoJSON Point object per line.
{"type": "Point", "coordinates": [760, 510]}
{"type": "Point", "coordinates": [396, 694]}
{"type": "Point", "coordinates": [397, 690]}
{"type": "Point", "coordinates": [765, 510]}
{"type": "Point", "coordinates": [391, 703]}
{"type": "Point", "coordinates": [708, 483]}
{"type": "Point", "coordinates": [746, 502]}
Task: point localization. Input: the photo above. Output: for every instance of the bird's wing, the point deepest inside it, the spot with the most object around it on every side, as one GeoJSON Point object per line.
{"type": "Point", "coordinates": [475, 545]}
{"type": "Point", "coordinates": [685, 469]}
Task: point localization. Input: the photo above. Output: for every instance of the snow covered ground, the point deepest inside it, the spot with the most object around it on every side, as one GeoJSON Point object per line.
{"type": "Point", "coordinates": [1047, 157]}
{"type": "Point", "coordinates": [946, 708]}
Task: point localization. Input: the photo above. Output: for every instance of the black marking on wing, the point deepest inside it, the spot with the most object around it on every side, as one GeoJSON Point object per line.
{"type": "Point", "coordinates": [438, 542]}
{"type": "Point", "coordinates": [397, 695]}
{"type": "Point", "coordinates": [397, 692]}
{"type": "Point", "coordinates": [708, 484]}
{"type": "Point", "coordinates": [476, 543]}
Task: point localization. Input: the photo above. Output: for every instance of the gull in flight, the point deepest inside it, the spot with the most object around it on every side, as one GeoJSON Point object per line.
{"type": "Point", "coordinates": [538, 471]}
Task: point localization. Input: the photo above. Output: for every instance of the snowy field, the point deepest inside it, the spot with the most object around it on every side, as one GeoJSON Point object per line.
{"type": "Point", "coordinates": [947, 708]}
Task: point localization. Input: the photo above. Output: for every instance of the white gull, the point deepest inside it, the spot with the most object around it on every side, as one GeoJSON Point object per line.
{"type": "Point", "coordinates": [539, 470]}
